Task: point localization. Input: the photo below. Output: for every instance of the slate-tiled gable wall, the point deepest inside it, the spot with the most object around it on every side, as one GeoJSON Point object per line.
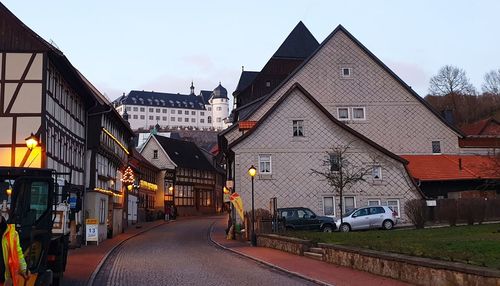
{"type": "Point", "coordinates": [293, 158]}
{"type": "Point", "coordinates": [395, 119]}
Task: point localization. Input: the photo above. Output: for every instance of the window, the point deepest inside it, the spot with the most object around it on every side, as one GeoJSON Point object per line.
{"type": "Point", "coordinates": [164, 110]}
{"type": "Point", "coordinates": [151, 109]}
{"type": "Point", "coordinates": [219, 108]}
{"type": "Point", "coordinates": [209, 108]}
{"type": "Point", "coordinates": [102, 211]}
{"type": "Point", "coordinates": [39, 198]}
{"type": "Point", "coordinates": [349, 204]}
{"type": "Point", "coordinates": [219, 119]}
{"type": "Point", "coordinates": [179, 119]}
{"type": "Point", "coordinates": [374, 202]}
{"type": "Point", "coordinates": [343, 113]}
{"type": "Point", "coordinates": [358, 113]}
{"type": "Point", "coordinates": [151, 117]}
{"type": "Point", "coordinates": [179, 111]}
{"type": "Point", "coordinates": [184, 196]}
{"type": "Point", "coordinates": [209, 119]}
{"type": "Point", "coordinates": [202, 120]}
{"type": "Point", "coordinates": [361, 212]}
{"type": "Point", "coordinates": [193, 120]}
{"type": "Point", "coordinates": [155, 154]}
{"type": "Point", "coordinates": [136, 109]}
{"type": "Point", "coordinates": [186, 119]}
{"type": "Point", "coordinates": [143, 117]}
{"type": "Point", "coordinates": [265, 164]}
{"type": "Point", "coordinates": [345, 72]}
{"type": "Point", "coordinates": [334, 163]}
{"type": "Point", "coordinates": [394, 206]}
{"type": "Point", "coordinates": [158, 110]}
{"type": "Point", "coordinates": [205, 198]}
{"type": "Point", "coordinates": [193, 112]}
{"type": "Point", "coordinates": [377, 172]}
{"type": "Point", "coordinates": [202, 113]}
{"type": "Point", "coordinates": [157, 118]}
{"type": "Point", "coordinates": [328, 205]}
{"type": "Point", "coordinates": [164, 118]}
{"type": "Point", "coordinates": [134, 116]}
{"type": "Point", "coordinates": [172, 118]}
{"type": "Point", "coordinates": [377, 210]}
{"type": "Point", "coordinates": [298, 128]}
{"type": "Point", "coordinates": [268, 84]}
{"type": "Point", "coordinates": [172, 111]}
{"type": "Point", "coordinates": [142, 109]}
{"type": "Point", "coordinates": [436, 147]}
{"type": "Point", "coordinates": [186, 112]}
{"type": "Point", "coordinates": [129, 108]}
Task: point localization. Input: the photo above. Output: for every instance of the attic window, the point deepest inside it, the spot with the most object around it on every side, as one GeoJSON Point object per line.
{"type": "Point", "coordinates": [436, 147]}
{"type": "Point", "coordinates": [268, 83]}
{"type": "Point", "coordinates": [176, 153]}
{"type": "Point", "coordinates": [345, 72]}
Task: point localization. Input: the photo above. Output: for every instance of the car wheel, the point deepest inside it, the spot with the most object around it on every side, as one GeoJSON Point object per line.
{"type": "Point", "coordinates": [387, 224]}
{"type": "Point", "coordinates": [327, 228]}
{"type": "Point", "coordinates": [345, 227]}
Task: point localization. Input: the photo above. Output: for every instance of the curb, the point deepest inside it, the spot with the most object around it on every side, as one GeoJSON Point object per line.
{"type": "Point", "coordinates": [319, 282]}
{"type": "Point", "coordinates": [90, 282]}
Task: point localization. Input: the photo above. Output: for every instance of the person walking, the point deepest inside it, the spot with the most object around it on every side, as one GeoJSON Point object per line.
{"type": "Point", "coordinates": [168, 212]}
{"type": "Point", "coordinates": [13, 262]}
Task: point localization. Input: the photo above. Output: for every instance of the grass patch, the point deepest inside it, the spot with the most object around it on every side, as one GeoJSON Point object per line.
{"type": "Point", "coordinates": [477, 244]}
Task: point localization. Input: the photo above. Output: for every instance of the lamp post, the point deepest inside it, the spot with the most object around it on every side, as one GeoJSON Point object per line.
{"type": "Point", "coordinates": [252, 172]}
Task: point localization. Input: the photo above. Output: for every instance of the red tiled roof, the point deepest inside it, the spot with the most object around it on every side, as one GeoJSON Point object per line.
{"type": "Point", "coordinates": [245, 125]}
{"type": "Point", "coordinates": [447, 167]}
{"type": "Point", "coordinates": [488, 126]}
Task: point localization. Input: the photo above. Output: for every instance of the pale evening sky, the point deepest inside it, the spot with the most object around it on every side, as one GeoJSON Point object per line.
{"type": "Point", "coordinates": [163, 45]}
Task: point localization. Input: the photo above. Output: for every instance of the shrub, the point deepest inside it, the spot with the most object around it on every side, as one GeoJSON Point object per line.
{"type": "Point", "coordinates": [416, 210]}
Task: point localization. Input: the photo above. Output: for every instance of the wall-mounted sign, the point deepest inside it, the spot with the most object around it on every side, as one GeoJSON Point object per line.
{"type": "Point", "coordinates": [170, 175]}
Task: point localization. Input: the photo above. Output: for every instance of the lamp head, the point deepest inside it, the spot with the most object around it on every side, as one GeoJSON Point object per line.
{"type": "Point", "coordinates": [9, 191]}
{"type": "Point", "coordinates": [31, 141]}
{"type": "Point", "coordinates": [252, 171]}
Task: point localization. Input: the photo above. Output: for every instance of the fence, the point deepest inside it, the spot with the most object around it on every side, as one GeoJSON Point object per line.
{"type": "Point", "coordinates": [471, 210]}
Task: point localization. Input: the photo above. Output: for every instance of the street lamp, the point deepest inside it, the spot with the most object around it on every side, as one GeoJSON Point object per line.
{"type": "Point", "coordinates": [252, 172]}
{"type": "Point", "coordinates": [31, 141]}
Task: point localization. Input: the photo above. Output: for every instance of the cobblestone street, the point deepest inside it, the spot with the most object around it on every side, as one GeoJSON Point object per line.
{"type": "Point", "coordinates": [180, 253]}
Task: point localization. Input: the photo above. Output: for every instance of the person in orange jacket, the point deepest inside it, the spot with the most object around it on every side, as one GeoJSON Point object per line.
{"type": "Point", "coordinates": [12, 254]}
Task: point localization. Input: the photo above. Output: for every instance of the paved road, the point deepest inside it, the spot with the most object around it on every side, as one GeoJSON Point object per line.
{"type": "Point", "coordinates": [180, 253]}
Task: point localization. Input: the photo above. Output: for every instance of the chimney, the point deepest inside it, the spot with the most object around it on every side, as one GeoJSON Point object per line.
{"type": "Point", "coordinates": [460, 163]}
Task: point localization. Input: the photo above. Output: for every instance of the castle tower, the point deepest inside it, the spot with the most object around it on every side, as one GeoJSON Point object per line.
{"type": "Point", "coordinates": [220, 106]}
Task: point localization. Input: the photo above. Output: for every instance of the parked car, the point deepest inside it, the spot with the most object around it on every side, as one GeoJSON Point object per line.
{"type": "Point", "coordinates": [367, 218]}
{"type": "Point", "coordinates": [299, 218]}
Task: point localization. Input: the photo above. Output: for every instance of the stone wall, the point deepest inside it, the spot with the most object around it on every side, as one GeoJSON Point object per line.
{"type": "Point", "coordinates": [416, 270]}
{"type": "Point", "coordinates": [287, 244]}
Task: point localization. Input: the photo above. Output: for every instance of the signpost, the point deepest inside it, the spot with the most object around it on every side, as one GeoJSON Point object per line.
{"type": "Point", "coordinates": [92, 230]}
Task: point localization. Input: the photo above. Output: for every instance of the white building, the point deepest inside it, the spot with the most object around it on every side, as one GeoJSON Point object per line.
{"type": "Point", "coordinates": [145, 109]}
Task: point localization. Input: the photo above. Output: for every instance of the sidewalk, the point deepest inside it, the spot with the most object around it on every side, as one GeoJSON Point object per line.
{"type": "Point", "coordinates": [83, 261]}
{"type": "Point", "coordinates": [310, 269]}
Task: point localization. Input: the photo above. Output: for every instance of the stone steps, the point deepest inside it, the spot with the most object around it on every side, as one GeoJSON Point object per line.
{"type": "Point", "coordinates": [314, 255]}
{"type": "Point", "coordinates": [317, 250]}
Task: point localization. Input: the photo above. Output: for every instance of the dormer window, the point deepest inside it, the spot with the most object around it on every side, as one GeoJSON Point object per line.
{"type": "Point", "coordinates": [343, 113]}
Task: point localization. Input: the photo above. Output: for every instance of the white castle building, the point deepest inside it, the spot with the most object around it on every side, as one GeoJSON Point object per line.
{"type": "Point", "coordinates": [146, 109]}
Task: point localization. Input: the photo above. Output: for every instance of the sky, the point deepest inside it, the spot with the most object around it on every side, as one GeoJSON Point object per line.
{"type": "Point", "coordinates": [164, 45]}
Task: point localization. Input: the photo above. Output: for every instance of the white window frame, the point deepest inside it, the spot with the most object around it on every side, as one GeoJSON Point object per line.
{"type": "Point", "coordinates": [398, 205]}
{"type": "Point", "coordinates": [343, 202]}
{"type": "Point", "coordinates": [358, 107]}
{"type": "Point", "coordinates": [334, 209]}
{"type": "Point", "coordinates": [373, 200]}
{"type": "Point", "coordinates": [298, 127]}
{"type": "Point", "coordinates": [381, 175]}
{"type": "Point", "coordinates": [440, 147]}
{"type": "Point", "coordinates": [270, 164]}
{"type": "Point", "coordinates": [342, 72]}
{"type": "Point", "coordinates": [348, 113]}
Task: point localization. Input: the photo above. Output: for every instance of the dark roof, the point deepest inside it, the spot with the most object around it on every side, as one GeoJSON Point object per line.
{"type": "Point", "coordinates": [246, 79]}
{"type": "Point", "coordinates": [160, 99]}
{"type": "Point", "coordinates": [185, 154]}
{"type": "Point", "coordinates": [205, 94]}
{"type": "Point", "coordinates": [486, 127]}
{"type": "Point", "coordinates": [328, 114]}
{"type": "Point", "coordinates": [300, 43]}
{"type": "Point", "coordinates": [219, 92]}
{"type": "Point", "coordinates": [253, 107]}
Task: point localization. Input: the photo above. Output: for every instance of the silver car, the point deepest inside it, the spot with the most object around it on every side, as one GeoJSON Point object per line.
{"type": "Point", "coordinates": [368, 217]}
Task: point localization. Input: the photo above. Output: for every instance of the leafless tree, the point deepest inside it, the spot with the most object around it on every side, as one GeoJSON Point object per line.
{"type": "Point", "coordinates": [342, 170]}
{"type": "Point", "coordinates": [492, 82]}
{"type": "Point", "coordinates": [450, 80]}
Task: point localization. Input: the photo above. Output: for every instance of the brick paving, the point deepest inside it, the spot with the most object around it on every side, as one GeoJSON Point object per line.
{"type": "Point", "coordinates": [314, 270]}
{"type": "Point", "coordinates": [83, 261]}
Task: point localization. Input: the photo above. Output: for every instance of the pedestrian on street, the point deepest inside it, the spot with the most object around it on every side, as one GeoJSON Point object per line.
{"type": "Point", "coordinates": [174, 212]}
{"type": "Point", "coordinates": [13, 262]}
{"type": "Point", "coordinates": [168, 213]}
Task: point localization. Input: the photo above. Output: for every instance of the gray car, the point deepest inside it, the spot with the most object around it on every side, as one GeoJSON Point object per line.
{"type": "Point", "coordinates": [367, 218]}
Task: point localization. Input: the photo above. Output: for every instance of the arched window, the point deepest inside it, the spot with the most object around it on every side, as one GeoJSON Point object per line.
{"type": "Point", "coordinates": [209, 119]}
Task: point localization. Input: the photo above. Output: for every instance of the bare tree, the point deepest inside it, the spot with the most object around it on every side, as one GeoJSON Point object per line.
{"type": "Point", "coordinates": [342, 172]}
{"type": "Point", "coordinates": [450, 80]}
{"type": "Point", "coordinates": [492, 82]}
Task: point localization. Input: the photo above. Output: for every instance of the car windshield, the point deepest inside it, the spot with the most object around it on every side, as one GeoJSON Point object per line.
{"type": "Point", "coordinates": [349, 213]}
